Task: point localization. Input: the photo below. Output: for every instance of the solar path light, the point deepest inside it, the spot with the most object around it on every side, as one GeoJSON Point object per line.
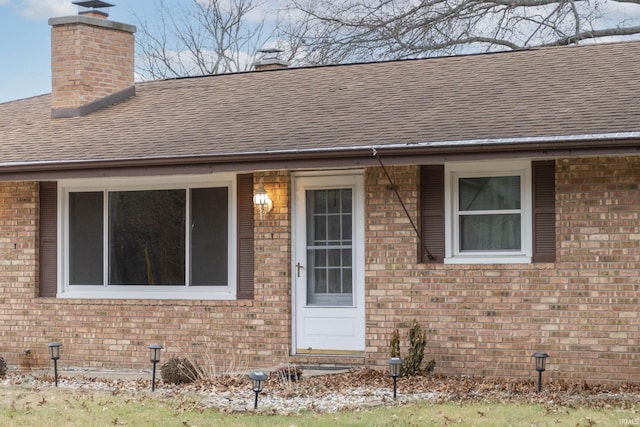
{"type": "Point", "coordinates": [541, 359]}
{"type": "Point", "coordinates": [394, 370]}
{"type": "Point", "coordinates": [54, 347]}
{"type": "Point", "coordinates": [257, 380]}
{"type": "Point", "coordinates": [155, 358]}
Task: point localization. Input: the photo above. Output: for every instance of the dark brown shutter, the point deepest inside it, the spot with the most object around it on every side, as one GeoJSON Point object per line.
{"type": "Point", "coordinates": [432, 213]}
{"type": "Point", "coordinates": [245, 236]}
{"type": "Point", "coordinates": [48, 239]}
{"type": "Point", "coordinates": [543, 175]}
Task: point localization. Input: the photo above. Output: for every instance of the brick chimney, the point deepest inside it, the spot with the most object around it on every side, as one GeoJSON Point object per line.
{"type": "Point", "coordinates": [92, 64]}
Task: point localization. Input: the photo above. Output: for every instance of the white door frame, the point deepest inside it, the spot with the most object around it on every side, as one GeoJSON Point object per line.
{"type": "Point", "coordinates": [341, 321]}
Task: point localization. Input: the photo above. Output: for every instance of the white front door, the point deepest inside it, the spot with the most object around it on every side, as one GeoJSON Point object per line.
{"type": "Point", "coordinates": [328, 264]}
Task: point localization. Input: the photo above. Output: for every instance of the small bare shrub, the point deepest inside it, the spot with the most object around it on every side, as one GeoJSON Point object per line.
{"type": "Point", "coordinates": [212, 359]}
{"type": "Point", "coordinates": [289, 373]}
{"type": "Point", "coordinates": [179, 371]}
{"type": "Point", "coordinates": [395, 344]}
{"type": "Point", "coordinates": [3, 367]}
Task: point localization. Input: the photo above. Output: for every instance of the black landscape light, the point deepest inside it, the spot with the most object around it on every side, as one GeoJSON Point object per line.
{"type": "Point", "coordinates": [54, 347]}
{"type": "Point", "coordinates": [155, 358]}
{"type": "Point", "coordinates": [394, 370]}
{"type": "Point", "coordinates": [541, 359]}
{"type": "Point", "coordinates": [257, 380]}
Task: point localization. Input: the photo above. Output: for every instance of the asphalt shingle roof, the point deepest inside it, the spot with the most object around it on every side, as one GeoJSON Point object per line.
{"type": "Point", "coordinates": [550, 92]}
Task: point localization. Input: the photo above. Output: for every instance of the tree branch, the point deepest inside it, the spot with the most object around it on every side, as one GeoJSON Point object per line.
{"type": "Point", "coordinates": [609, 32]}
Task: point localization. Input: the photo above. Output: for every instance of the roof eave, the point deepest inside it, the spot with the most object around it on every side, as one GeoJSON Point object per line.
{"type": "Point", "coordinates": [335, 157]}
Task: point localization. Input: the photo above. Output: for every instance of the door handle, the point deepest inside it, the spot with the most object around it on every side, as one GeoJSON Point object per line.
{"type": "Point", "coordinates": [298, 268]}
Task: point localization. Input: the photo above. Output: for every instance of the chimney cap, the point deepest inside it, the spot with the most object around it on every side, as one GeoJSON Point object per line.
{"type": "Point", "coordinates": [96, 4]}
{"type": "Point", "coordinates": [270, 53]}
{"type": "Point", "coordinates": [270, 50]}
{"type": "Point", "coordinates": [270, 59]}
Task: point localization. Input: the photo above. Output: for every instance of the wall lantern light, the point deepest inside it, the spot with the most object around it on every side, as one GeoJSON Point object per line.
{"type": "Point", "coordinates": [257, 380]}
{"type": "Point", "coordinates": [54, 347]}
{"type": "Point", "coordinates": [155, 358]}
{"type": "Point", "coordinates": [541, 359]}
{"type": "Point", "coordinates": [395, 363]}
{"type": "Point", "coordinates": [262, 200]}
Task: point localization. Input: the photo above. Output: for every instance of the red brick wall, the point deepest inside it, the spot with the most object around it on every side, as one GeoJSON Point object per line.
{"type": "Point", "coordinates": [89, 62]}
{"type": "Point", "coordinates": [480, 319]}
{"type": "Point", "coordinates": [97, 333]}
{"type": "Point", "coordinates": [18, 228]}
{"type": "Point", "coordinates": [490, 319]}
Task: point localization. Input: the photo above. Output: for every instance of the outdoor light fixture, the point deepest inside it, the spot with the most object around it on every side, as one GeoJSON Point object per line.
{"type": "Point", "coordinates": [541, 359]}
{"type": "Point", "coordinates": [257, 378]}
{"type": "Point", "coordinates": [155, 358]}
{"type": "Point", "coordinates": [54, 347]}
{"type": "Point", "coordinates": [262, 200]}
{"type": "Point", "coordinates": [394, 370]}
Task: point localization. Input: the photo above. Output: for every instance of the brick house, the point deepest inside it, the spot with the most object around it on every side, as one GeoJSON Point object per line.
{"type": "Point", "coordinates": [128, 214]}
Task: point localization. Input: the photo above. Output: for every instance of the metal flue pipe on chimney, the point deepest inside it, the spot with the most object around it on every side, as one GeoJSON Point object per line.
{"type": "Point", "coordinates": [93, 7]}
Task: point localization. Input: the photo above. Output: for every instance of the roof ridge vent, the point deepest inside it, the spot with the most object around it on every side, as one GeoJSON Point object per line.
{"type": "Point", "coordinates": [92, 7]}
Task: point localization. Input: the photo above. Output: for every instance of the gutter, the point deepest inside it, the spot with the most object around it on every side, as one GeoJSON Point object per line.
{"type": "Point", "coordinates": [546, 146]}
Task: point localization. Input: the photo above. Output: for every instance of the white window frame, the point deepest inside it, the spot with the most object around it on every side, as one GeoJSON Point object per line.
{"type": "Point", "coordinates": [455, 171]}
{"type": "Point", "coordinates": [182, 292]}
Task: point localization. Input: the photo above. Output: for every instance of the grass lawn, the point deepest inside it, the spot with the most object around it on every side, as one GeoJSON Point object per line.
{"type": "Point", "coordinates": [48, 406]}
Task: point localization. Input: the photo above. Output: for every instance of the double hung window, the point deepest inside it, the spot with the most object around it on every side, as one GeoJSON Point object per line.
{"type": "Point", "coordinates": [488, 212]}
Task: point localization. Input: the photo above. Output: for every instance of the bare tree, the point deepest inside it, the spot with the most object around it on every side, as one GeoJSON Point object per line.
{"type": "Point", "coordinates": [365, 30]}
{"type": "Point", "coordinates": [220, 36]}
{"type": "Point", "coordinates": [203, 37]}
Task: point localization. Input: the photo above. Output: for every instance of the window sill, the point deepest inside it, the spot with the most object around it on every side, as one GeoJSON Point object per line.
{"type": "Point", "coordinates": [143, 292]}
{"type": "Point", "coordinates": [488, 259]}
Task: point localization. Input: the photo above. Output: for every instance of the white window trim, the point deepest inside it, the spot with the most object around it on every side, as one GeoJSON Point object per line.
{"type": "Point", "coordinates": [144, 292]}
{"type": "Point", "coordinates": [454, 171]}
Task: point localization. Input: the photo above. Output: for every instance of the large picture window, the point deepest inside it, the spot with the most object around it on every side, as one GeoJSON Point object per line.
{"type": "Point", "coordinates": [133, 241]}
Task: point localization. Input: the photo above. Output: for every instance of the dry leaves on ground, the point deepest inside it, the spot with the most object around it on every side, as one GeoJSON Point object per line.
{"type": "Point", "coordinates": [360, 387]}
